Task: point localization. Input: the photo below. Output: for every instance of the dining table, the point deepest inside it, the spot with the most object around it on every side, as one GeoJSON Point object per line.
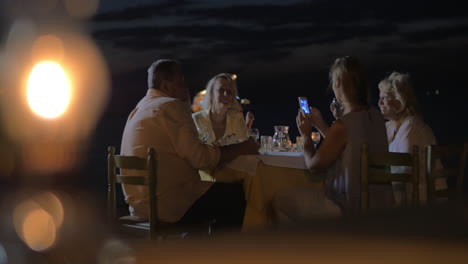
{"type": "Point", "coordinates": [264, 176]}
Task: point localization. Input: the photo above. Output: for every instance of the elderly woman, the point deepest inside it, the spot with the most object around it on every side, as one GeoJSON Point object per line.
{"type": "Point", "coordinates": [405, 129]}
{"type": "Point", "coordinates": [340, 152]}
{"type": "Point", "coordinates": [221, 122]}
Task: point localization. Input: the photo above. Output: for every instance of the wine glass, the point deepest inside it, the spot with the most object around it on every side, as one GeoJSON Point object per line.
{"type": "Point", "coordinates": [315, 136]}
{"type": "Point", "coordinates": [253, 134]}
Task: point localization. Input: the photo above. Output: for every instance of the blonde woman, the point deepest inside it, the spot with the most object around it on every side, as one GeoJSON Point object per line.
{"type": "Point", "coordinates": [405, 129]}
{"type": "Point", "coordinates": [221, 122]}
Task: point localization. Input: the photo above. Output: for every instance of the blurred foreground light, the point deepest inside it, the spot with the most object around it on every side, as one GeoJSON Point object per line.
{"type": "Point", "coordinates": [52, 204]}
{"type": "Point", "coordinates": [21, 32]}
{"type": "Point", "coordinates": [55, 85]}
{"type": "Point", "coordinates": [47, 47]}
{"type": "Point", "coordinates": [48, 90]}
{"type": "Point", "coordinates": [34, 226]}
{"type": "Point", "coordinates": [81, 8]}
{"type": "Point", "coordinates": [3, 255]}
{"type": "Point", "coordinates": [39, 230]}
{"type": "Point", "coordinates": [233, 77]}
{"type": "Point", "coordinates": [7, 161]}
{"type": "Point", "coordinates": [38, 220]}
{"type": "Point", "coordinates": [116, 251]}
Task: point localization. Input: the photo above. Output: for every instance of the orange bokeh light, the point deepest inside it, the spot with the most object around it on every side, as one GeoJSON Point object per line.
{"type": "Point", "coordinates": [38, 220]}
{"type": "Point", "coordinates": [39, 231]}
{"type": "Point", "coordinates": [48, 89]}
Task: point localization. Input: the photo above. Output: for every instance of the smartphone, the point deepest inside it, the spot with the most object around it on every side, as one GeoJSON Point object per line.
{"type": "Point", "coordinates": [303, 104]}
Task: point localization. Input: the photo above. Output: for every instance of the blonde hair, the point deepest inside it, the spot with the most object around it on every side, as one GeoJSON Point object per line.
{"type": "Point", "coordinates": [349, 72]}
{"type": "Point", "coordinates": [210, 85]}
{"type": "Point", "coordinates": [400, 86]}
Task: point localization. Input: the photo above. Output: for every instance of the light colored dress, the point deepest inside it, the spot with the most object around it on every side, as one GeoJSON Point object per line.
{"type": "Point", "coordinates": [413, 131]}
{"type": "Point", "coordinates": [236, 130]}
{"type": "Point", "coordinates": [343, 183]}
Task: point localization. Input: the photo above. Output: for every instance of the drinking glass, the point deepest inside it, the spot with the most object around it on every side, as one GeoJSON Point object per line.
{"type": "Point", "coordinates": [253, 134]}
{"type": "Point", "coordinates": [266, 143]}
{"type": "Point", "coordinates": [315, 136]}
{"type": "Point", "coordinates": [299, 144]}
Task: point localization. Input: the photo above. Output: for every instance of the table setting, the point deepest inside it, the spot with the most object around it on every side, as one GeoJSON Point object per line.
{"type": "Point", "coordinates": [276, 150]}
{"type": "Point", "coordinates": [279, 166]}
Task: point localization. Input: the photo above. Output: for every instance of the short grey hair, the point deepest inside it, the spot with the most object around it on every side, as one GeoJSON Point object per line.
{"type": "Point", "coordinates": [206, 103]}
{"type": "Point", "coordinates": [400, 86]}
{"type": "Point", "coordinates": [159, 71]}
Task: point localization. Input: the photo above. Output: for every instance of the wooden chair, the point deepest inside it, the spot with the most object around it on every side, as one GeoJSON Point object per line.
{"type": "Point", "coordinates": [151, 228]}
{"type": "Point", "coordinates": [148, 164]}
{"type": "Point", "coordinates": [457, 153]}
{"type": "Point", "coordinates": [376, 169]}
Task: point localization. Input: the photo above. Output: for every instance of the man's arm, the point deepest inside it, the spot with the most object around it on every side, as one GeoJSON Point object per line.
{"type": "Point", "coordinates": [230, 152]}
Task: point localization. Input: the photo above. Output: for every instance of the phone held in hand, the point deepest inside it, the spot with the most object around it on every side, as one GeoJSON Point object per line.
{"type": "Point", "coordinates": [303, 104]}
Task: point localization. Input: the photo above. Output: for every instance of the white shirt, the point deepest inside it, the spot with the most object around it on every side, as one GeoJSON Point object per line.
{"type": "Point", "coordinates": [166, 124]}
{"type": "Point", "coordinates": [413, 131]}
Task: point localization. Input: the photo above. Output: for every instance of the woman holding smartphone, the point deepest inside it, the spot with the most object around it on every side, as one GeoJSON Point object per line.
{"type": "Point", "coordinates": [340, 152]}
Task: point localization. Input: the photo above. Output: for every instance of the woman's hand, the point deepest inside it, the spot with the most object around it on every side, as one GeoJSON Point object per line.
{"type": "Point", "coordinates": [249, 118]}
{"type": "Point", "coordinates": [316, 118]}
{"type": "Point", "coordinates": [304, 124]}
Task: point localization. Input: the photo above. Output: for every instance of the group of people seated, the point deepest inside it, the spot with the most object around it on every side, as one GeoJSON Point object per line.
{"type": "Point", "coordinates": [357, 123]}
{"type": "Point", "coordinates": [187, 142]}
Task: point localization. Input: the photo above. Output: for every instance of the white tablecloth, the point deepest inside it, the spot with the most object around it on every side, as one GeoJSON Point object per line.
{"type": "Point", "coordinates": [248, 163]}
{"type": "Point", "coordinates": [277, 172]}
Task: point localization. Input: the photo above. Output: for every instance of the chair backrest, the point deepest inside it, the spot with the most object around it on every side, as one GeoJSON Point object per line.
{"type": "Point", "coordinates": [376, 169]}
{"type": "Point", "coordinates": [148, 164]}
{"type": "Point", "coordinates": [443, 152]}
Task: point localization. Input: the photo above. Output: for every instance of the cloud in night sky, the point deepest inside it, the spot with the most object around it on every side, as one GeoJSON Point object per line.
{"type": "Point", "coordinates": [194, 30]}
{"type": "Point", "coordinates": [255, 38]}
{"type": "Point", "coordinates": [295, 41]}
{"type": "Point", "coordinates": [290, 44]}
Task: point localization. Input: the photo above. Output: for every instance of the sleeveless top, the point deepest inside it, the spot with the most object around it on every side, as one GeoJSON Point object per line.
{"type": "Point", "coordinates": [343, 184]}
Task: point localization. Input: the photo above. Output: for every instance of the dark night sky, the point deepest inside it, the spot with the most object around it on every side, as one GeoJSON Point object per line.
{"type": "Point", "coordinates": [281, 50]}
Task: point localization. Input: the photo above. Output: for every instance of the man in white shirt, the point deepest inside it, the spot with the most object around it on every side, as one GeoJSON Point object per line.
{"type": "Point", "coordinates": [162, 120]}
